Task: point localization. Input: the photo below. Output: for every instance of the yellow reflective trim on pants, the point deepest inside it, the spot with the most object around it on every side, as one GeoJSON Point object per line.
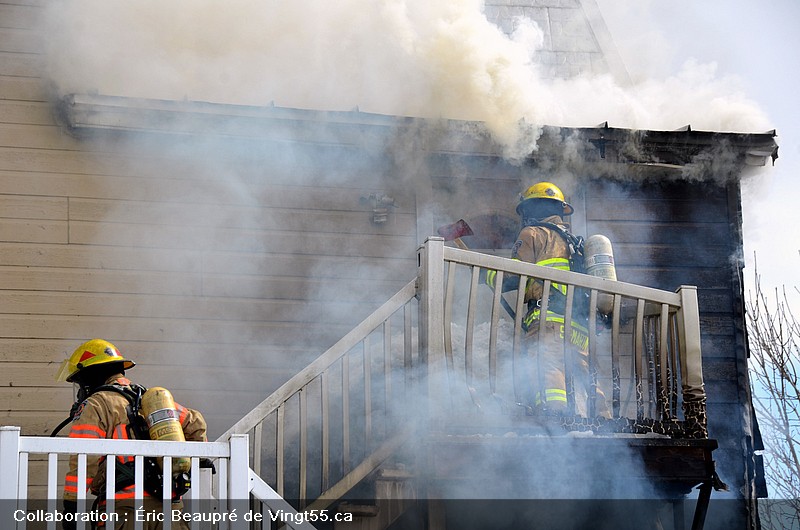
{"type": "Point", "coordinates": [552, 394]}
{"type": "Point", "coordinates": [555, 394]}
{"type": "Point", "coordinates": [490, 277]}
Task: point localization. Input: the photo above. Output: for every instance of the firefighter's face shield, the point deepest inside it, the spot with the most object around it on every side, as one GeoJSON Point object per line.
{"type": "Point", "coordinates": [66, 369]}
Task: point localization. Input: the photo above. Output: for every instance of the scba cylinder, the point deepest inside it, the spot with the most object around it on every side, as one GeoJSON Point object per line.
{"type": "Point", "coordinates": [163, 423]}
{"type": "Point", "coordinates": [599, 262]}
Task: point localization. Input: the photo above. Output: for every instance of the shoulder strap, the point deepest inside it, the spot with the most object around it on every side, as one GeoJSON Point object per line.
{"type": "Point", "coordinates": [133, 393]}
{"type": "Point", "coordinates": [575, 243]}
{"type": "Point", "coordinates": [560, 230]}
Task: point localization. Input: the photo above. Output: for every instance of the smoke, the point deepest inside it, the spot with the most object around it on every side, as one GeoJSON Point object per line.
{"type": "Point", "coordinates": [440, 59]}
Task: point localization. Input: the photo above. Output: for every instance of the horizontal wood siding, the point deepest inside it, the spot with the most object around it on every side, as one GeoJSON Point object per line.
{"type": "Point", "coordinates": [220, 271]}
{"type": "Point", "coordinates": [667, 234]}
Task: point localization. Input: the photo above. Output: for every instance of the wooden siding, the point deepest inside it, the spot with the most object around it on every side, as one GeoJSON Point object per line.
{"type": "Point", "coordinates": [673, 233]}
{"type": "Point", "coordinates": [220, 272]}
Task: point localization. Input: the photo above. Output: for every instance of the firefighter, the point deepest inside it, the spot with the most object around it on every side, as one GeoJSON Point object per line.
{"type": "Point", "coordinates": [107, 407]}
{"type": "Point", "coordinates": [544, 239]}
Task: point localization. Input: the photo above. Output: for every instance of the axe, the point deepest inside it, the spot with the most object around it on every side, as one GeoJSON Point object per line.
{"type": "Point", "coordinates": [454, 232]}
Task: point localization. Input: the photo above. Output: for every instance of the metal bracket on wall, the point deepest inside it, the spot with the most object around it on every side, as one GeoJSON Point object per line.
{"type": "Point", "coordinates": [380, 205]}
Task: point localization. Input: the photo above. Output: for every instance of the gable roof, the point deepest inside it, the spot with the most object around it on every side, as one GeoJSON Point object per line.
{"type": "Point", "coordinates": [576, 39]}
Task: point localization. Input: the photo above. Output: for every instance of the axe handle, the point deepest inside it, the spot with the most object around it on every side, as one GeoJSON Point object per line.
{"type": "Point", "coordinates": [460, 244]}
{"type": "Point", "coordinates": [508, 308]}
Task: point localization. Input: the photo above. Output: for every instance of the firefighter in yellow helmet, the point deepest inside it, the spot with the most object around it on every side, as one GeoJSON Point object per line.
{"type": "Point", "coordinates": [108, 407]}
{"type": "Point", "coordinates": [544, 239]}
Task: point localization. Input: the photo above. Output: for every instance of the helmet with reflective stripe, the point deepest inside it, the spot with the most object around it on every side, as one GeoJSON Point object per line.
{"type": "Point", "coordinates": [544, 191]}
{"type": "Point", "coordinates": [92, 353]}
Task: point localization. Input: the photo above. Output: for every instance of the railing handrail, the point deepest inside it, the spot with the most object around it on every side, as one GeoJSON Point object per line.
{"type": "Point", "coordinates": [321, 363]}
{"type": "Point", "coordinates": [46, 444]}
{"type": "Point", "coordinates": [487, 261]}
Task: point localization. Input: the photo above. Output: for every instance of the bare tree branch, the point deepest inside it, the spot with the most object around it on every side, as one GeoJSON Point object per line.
{"type": "Point", "coordinates": [774, 339]}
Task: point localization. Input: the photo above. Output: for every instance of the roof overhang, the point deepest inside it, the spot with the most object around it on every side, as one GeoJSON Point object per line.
{"type": "Point", "coordinates": [605, 146]}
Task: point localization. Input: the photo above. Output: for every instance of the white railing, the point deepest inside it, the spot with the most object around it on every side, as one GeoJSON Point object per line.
{"type": "Point", "coordinates": [331, 424]}
{"type": "Point", "coordinates": [338, 419]}
{"type": "Point", "coordinates": [646, 355]}
{"type": "Point", "coordinates": [219, 500]}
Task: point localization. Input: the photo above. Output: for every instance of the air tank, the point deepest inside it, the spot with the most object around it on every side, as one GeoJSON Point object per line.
{"type": "Point", "coordinates": [163, 423]}
{"type": "Point", "coordinates": [599, 262]}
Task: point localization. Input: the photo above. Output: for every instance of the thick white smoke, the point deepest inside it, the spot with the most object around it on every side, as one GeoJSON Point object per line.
{"type": "Point", "coordinates": [422, 58]}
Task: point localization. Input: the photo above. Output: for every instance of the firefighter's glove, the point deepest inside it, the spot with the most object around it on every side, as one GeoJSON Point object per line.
{"type": "Point", "coordinates": [70, 507]}
{"type": "Point", "coordinates": [206, 463]}
{"type": "Point", "coordinates": [181, 482]}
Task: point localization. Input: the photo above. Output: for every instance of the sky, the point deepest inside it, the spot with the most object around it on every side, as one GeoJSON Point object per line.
{"type": "Point", "coordinates": [754, 46]}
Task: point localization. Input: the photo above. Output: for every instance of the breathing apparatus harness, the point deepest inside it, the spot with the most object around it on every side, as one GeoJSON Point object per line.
{"type": "Point", "coordinates": [577, 263]}
{"type": "Point", "coordinates": [137, 429]}
{"type": "Point", "coordinates": [574, 243]}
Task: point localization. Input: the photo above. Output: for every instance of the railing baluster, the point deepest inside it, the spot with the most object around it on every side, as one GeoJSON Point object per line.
{"type": "Point", "coordinates": [387, 371]}
{"type": "Point", "coordinates": [138, 488]}
{"type": "Point", "coordinates": [569, 353]}
{"type": "Point", "coordinates": [674, 353]}
{"type": "Point", "coordinates": [367, 393]}
{"type": "Point", "coordinates": [111, 482]}
{"type": "Point", "coordinates": [493, 332]}
{"type": "Point", "coordinates": [638, 337]}
{"type": "Point", "coordinates": [541, 393]}
{"type": "Point", "coordinates": [280, 450]}
{"type": "Point", "coordinates": [52, 486]}
{"type": "Point", "coordinates": [81, 487]}
{"type": "Point", "coordinates": [469, 331]}
{"type": "Point", "coordinates": [615, 355]}
{"type": "Point", "coordinates": [326, 429]}
{"type": "Point", "coordinates": [448, 317]}
{"type": "Point", "coordinates": [303, 426]}
{"type": "Point", "coordinates": [257, 445]}
{"type": "Point", "coordinates": [22, 485]}
{"type": "Point", "coordinates": [591, 398]}
{"type": "Point", "coordinates": [166, 489]}
{"type": "Point", "coordinates": [519, 374]}
{"type": "Point", "coordinates": [663, 353]}
{"type": "Point", "coordinates": [408, 362]}
{"type": "Point", "coordinates": [652, 367]}
{"type": "Point", "coordinates": [346, 412]}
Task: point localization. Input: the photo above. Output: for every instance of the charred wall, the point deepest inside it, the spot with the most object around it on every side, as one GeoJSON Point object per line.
{"type": "Point", "coordinates": [668, 233]}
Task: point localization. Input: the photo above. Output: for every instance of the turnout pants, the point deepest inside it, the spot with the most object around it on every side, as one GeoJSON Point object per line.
{"type": "Point", "coordinates": [548, 359]}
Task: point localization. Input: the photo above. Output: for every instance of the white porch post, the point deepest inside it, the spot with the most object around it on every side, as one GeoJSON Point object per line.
{"type": "Point", "coordinates": [431, 324]}
{"type": "Point", "coordinates": [239, 478]}
{"type": "Point", "coordinates": [694, 394]}
{"type": "Point", "coordinates": [9, 472]}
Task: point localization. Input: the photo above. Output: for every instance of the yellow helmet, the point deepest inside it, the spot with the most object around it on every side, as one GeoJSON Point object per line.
{"type": "Point", "coordinates": [545, 190]}
{"type": "Point", "coordinates": [91, 353]}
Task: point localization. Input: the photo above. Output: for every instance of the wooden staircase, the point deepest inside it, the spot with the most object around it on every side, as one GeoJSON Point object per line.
{"type": "Point", "coordinates": [392, 421]}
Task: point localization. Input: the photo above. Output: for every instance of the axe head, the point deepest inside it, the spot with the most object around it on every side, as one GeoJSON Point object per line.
{"type": "Point", "coordinates": [455, 231]}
